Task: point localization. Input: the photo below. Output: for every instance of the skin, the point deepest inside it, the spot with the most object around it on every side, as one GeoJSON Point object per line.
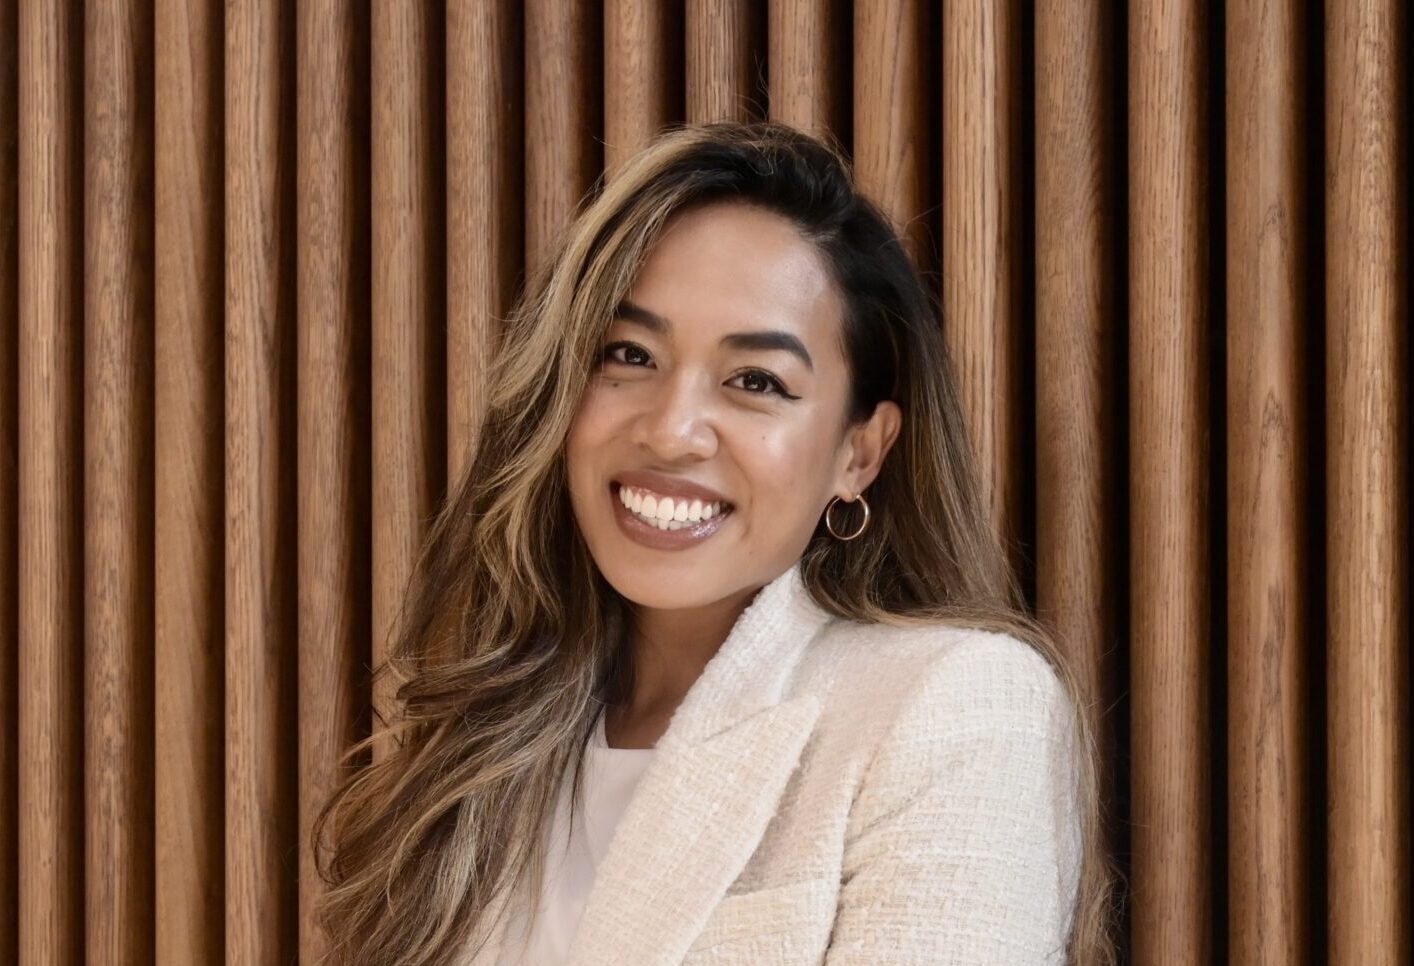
{"type": "Point", "coordinates": [681, 403]}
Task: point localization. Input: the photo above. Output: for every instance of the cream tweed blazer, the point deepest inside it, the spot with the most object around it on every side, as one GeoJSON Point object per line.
{"type": "Point", "coordinates": [838, 793]}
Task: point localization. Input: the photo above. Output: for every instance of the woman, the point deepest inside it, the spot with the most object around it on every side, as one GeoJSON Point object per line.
{"type": "Point", "coordinates": [712, 657]}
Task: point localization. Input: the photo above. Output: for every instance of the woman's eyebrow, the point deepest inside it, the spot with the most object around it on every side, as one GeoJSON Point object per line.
{"type": "Point", "coordinates": [762, 340]}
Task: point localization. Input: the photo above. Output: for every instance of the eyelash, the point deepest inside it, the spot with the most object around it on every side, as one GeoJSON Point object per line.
{"type": "Point", "coordinates": [779, 390]}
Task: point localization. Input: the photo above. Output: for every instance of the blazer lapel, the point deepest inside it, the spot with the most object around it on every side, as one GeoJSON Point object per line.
{"type": "Point", "coordinates": [703, 804]}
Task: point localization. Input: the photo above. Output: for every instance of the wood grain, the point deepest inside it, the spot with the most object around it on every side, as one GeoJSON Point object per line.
{"type": "Point", "coordinates": [1269, 430]}
{"type": "Point", "coordinates": [261, 728]}
{"type": "Point", "coordinates": [723, 48]}
{"type": "Point", "coordinates": [1367, 480]}
{"type": "Point", "coordinates": [9, 483]}
{"type": "Point", "coordinates": [981, 223]}
{"type": "Point", "coordinates": [643, 80]}
{"type": "Point", "coordinates": [117, 484]}
{"type": "Point", "coordinates": [485, 184]}
{"type": "Point", "coordinates": [564, 111]}
{"type": "Point", "coordinates": [892, 137]}
{"type": "Point", "coordinates": [50, 528]}
{"type": "Point", "coordinates": [189, 621]}
{"type": "Point", "coordinates": [805, 39]}
{"type": "Point", "coordinates": [333, 461]}
{"type": "Point", "coordinates": [1170, 449]}
{"type": "Point", "coordinates": [1079, 369]}
{"type": "Point", "coordinates": [408, 365]}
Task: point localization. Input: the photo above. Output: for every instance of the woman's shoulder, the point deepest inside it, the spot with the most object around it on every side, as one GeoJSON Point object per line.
{"type": "Point", "coordinates": [944, 676]}
{"type": "Point", "coordinates": [946, 656]}
{"type": "Point", "coordinates": [944, 711]}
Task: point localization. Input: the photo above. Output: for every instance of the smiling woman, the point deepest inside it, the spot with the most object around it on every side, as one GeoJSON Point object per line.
{"type": "Point", "coordinates": [731, 306]}
{"type": "Point", "coordinates": [671, 687]}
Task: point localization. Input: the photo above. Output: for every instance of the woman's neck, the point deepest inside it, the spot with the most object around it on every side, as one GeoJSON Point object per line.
{"type": "Point", "coordinates": [670, 649]}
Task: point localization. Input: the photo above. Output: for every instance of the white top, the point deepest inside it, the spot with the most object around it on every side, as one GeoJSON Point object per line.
{"type": "Point", "coordinates": [611, 774]}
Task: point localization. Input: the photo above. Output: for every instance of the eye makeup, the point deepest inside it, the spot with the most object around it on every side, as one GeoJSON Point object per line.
{"type": "Point", "coordinates": [778, 388]}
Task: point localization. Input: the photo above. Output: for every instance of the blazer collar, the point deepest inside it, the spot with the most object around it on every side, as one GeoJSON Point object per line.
{"type": "Point", "coordinates": [753, 667]}
{"type": "Point", "coordinates": [703, 804]}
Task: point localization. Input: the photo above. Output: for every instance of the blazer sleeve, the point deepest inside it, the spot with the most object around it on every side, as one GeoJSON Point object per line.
{"type": "Point", "coordinates": [963, 844]}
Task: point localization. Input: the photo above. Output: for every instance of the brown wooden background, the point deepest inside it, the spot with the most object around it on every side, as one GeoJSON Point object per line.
{"type": "Point", "coordinates": [251, 261]}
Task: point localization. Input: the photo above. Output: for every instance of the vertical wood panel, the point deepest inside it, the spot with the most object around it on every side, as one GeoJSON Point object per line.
{"type": "Point", "coordinates": [117, 483]}
{"type": "Point", "coordinates": [722, 38]}
{"type": "Point", "coordinates": [643, 79]}
{"type": "Point", "coordinates": [806, 89]}
{"type": "Point", "coordinates": [333, 416]}
{"type": "Point", "coordinates": [407, 372]}
{"type": "Point", "coordinates": [1368, 488]}
{"type": "Point", "coordinates": [261, 832]}
{"type": "Point", "coordinates": [1169, 455]}
{"type": "Point", "coordinates": [485, 183]}
{"type": "Point", "coordinates": [892, 136]}
{"type": "Point", "coordinates": [1079, 373]}
{"type": "Point", "coordinates": [51, 927]}
{"type": "Point", "coordinates": [344, 199]}
{"type": "Point", "coordinates": [563, 113]}
{"type": "Point", "coordinates": [1268, 437]}
{"type": "Point", "coordinates": [189, 618]}
{"type": "Point", "coordinates": [9, 481]}
{"type": "Point", "coordinates": [981, 218]}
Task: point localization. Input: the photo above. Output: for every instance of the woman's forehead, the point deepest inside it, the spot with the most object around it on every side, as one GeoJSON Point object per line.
{"type": "Point", "coordinates": [733, 267]}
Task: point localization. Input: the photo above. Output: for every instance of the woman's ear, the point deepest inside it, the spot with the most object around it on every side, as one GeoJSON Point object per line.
{"type": "Point", "coordinates": [867, 444]}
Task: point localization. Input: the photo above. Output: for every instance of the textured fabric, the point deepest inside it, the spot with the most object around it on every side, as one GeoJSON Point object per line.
{"type": "Point", "coordinates": [836, 793]}
{"type": "Point", "coordinates": [574, 851]}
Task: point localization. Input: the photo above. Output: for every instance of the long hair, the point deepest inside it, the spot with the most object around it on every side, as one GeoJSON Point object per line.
{"type": "Point", "coordinates": [510, 641]}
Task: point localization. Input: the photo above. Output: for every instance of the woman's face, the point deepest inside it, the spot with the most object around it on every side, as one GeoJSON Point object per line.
{"type": "Point", "coordinates": [722, 388]}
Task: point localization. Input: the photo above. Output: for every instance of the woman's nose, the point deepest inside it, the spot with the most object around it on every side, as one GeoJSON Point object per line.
{"type": "Point", "coordinates": [676, 423]}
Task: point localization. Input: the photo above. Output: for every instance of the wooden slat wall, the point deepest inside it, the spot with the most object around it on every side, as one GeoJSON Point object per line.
{"type": "Point", "coordinates": [188, 431]}
{"type": "Point", "coordinates": [1078, 365]}
{"type": "Point", "coordinates": [260, 474]}
{"type": "Point", "coordinates": [9, 464]}
{"type": "Point", "coordinates": [485, 227]}
{"type": "Point", "coordinates": [1368, 403]}
{"type": "Point", "coordinates": [333, 358]}
{"type": "Point", "coordinates": [982, 110]}
{"type": "Point", "coordinates": [117, 414]}
{"type": "Point", "coordinates": [563, 110]}
{"type": "Point", "coordinates": [47, 637]}
{"type": "Point", "coordinates": [408, 301]}
{"type": "Point", "coordinates": [254, 259]}
{"type": "Point", "coordinates": [1268, 422]}
{"type": "Point", "coordinates": [1171, 507]}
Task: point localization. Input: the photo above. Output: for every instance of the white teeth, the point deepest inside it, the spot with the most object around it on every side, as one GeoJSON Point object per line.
{"type": "Point", "coordinates": [665, 512]}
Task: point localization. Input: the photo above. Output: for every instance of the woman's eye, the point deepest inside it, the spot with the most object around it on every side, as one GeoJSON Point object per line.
{"type": "Point", "coordinates": [773, 385]}
{"type": "Point", "coordinates": [629, 349]}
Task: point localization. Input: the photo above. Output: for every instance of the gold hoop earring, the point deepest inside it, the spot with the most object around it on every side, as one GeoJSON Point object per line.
{"type": "Point", "coordinates": [831, 527]}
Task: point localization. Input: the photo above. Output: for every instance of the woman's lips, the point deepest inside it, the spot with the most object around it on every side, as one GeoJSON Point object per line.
{"type": "Point", "coordinates": [648, 535]}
